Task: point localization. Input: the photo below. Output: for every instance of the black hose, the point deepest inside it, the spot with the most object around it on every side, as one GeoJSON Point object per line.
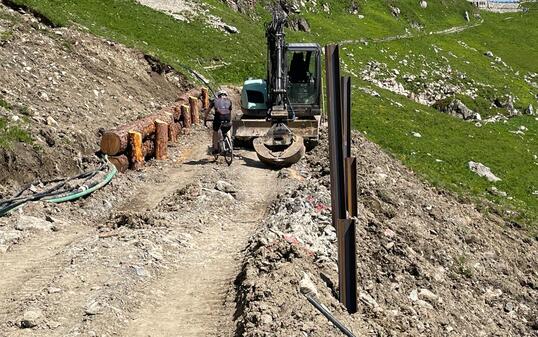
{"type": "Point", "coordinates": [58, 189]}
{"type": "Point", "coordinates": [329, 316]}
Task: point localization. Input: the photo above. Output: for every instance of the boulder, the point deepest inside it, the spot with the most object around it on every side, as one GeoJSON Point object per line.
{"type": "Point", "coordinates": [483, 171]}
{"type": "Point", "coordinates": [456, 108]}
{"type": "Point", "coordinates": [225, 187]}
{"type": "Point", "coordinates": [31, 318]}
{"type": "Point", "coordinates": [530, 110]}
{"type": "Point", "coordinates": [25, 223]}
{"type": "Point", "coordinates": [424, 4]}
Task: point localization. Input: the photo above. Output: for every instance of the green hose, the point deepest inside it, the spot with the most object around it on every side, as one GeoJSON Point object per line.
{"type": "Point", "coordinates": [74, 196]}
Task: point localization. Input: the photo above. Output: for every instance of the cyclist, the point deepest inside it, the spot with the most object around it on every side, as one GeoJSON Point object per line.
{"type": "Point", "coordinates": [223, 114]}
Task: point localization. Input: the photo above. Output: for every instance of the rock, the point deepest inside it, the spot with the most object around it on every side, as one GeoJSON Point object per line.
{"type": "Point", "coordinates": [416, 134]}
{"type": "Point", "coordinates": [467, 18]}
{"type": "Point", "coordinates": [395, 11]}
{"type": "Point", "coordinates": [424, 304]}
{"type": "Point", "coordinates": [389, 233]}
{"type": "Point", "coordinates": [51, 121]}
{"type": "Point", "coordinates": [225, 186]}
{"type": "Point", "coordinates": [31, 318]}
{"type": "Point", "coordinates": [93, 308]}
{"type": "Point", "coordinates": [303, 25]}
{"type": "Point", "coordinates": [413, 296]}
{"type": "Point", "coordinates": [493, 190]}
{"type": "Point", "coordinates": [458, 108]}
{"type": "Point", "coordinates": [15, 118]}
{"type": "Point", "coordinates": [9, 237]}
{"type": "Point", "coordinates": [266, 319]}
{"type": "Point", "coordinates": [483, 171]}
{"type": "Point", "coordinates": [508, 307]}
{"type": "Point", "coordinates": [512, 111]}
{"type": "Point", "coordinates": [231, 29]}
{"type": "Point", "coordinates": [140, 271]}
{"type": "Point", "coordinates": [44, 96]}
{"type": "Point", "coordinates": [306, 286]}
{"type": "Point", "coordinates": [424, 4]}
{"type": "Point", "coordinates": [530, 110]}
{"type": "Point", "coordinates": [52, 290]}
{"type": "Point", "coordinates": [428, 295]}
{"type": "Point", "coordinates": [368, 300]}
{"type": "Point", "coordinates": [32, 223]}
{"type": "Point", "coordinates": [489, 53]}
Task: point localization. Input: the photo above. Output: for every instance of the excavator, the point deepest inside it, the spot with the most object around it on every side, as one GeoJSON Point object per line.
{"type": "Point", "coordinates": [282, 112]}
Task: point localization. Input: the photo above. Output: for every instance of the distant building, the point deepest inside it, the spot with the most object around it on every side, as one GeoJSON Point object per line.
{"type": "Point", "coordinates": [499, 6]}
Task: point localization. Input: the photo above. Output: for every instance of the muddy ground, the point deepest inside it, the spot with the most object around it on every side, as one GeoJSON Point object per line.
{"type": "Point", "coordinates": [191, 247]}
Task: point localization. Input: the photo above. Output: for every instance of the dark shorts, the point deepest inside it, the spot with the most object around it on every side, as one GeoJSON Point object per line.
{"type": "Point", "coordinates": [219, 120]}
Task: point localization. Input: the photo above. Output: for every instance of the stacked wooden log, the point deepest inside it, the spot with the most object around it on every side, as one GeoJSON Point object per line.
{"type": "Point", "coordinates": [130, 145]}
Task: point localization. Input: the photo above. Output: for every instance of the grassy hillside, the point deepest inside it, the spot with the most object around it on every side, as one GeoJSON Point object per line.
{"type": "Point", "coordinates": [447, 143]}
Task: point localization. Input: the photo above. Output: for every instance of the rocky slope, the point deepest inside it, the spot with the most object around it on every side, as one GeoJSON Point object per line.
{"type": "Point", "coordinates": [62, 85]}
{"type": "Point", "coordinates": [428, 264]}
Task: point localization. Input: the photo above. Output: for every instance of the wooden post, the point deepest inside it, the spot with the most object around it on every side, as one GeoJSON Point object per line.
{"type": "Point", "coordinates": [137, 155]}
{"type": "Point", "coordinates": [186, 113]}
{"type": "Point", "coordinates": [173, 132]}
{"type": "Point", "coordinates": [205, 98]}
{"type": "Point", "coordinates": [195, 111]}
{"type": "Point", "coordinates": [161, 140]}
{"type": "Point", "coordinates": [121, 162]}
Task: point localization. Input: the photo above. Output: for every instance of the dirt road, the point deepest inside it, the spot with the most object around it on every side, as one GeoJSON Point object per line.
{"type": "Point", "coordinates": [192, 299]}
{"type": "Point", "coordinates": [160, 261]}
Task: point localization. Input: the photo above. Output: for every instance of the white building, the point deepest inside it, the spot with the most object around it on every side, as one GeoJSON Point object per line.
{"type": "Point", "coordinates": [500, 6]}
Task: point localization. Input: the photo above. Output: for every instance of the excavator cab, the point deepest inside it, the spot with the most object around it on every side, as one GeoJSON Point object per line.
{"type": "Point", "coordinates": [303, 84]}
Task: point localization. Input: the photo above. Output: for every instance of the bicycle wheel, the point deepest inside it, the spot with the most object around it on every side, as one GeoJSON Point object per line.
{"type": "Point", "coordinates": [228, 150]}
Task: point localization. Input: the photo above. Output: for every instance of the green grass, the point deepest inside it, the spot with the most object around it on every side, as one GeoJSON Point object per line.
{"type": "Point", "coordinates": [196, 46]}
{"type": "Point", "coordinates": [5, 104]}
{"type": "Point", "coordinates": [512, 37]}
{"type": "Point", "coordinates": [10, 134]}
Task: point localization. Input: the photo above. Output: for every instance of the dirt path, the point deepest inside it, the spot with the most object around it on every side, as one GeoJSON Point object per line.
{"type": "Point", "coordinates": [192, 300]}
{"type": "Point", "coordinates": [447, 31]}
{"type": "Point", "coordinates": [27, 268]}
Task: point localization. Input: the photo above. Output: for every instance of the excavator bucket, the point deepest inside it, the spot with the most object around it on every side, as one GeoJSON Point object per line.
{"type": "Point", "coordinates": [279, 155]}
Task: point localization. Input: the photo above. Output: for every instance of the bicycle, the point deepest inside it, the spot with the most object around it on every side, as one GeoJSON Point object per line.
{"type": "Point", "coordinates": [226, 148]}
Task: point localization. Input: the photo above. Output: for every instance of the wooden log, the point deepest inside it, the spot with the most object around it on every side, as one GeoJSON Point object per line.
{"type": "Point", "coordinates": [205, 98]}
{"type": "Point", "coordinates": [121, 162]}
{"type": "Point", "coordinates": [136, 153]}
{"type": "Point", "coordinates": [186, 114]}
{"type": "Point", "coordinates": [195, 110]}
{"type": "Point", "coordinates": [173, 132]}
{"type": "Point", "coordinates": [116, 141]}
{"type": "Point", "coordinates": [161, 140]}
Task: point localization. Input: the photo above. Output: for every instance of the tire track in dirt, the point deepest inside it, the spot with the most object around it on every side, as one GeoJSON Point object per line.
{"type": "Point", "coordinates": [26, 269]}
{"type": "Point", "coordinates": [192, 300]}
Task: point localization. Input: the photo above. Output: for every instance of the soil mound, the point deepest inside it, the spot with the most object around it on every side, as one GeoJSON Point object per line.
{"type": "Point", "coordinates": [428, 265]}
{"type": "Point", "coordinates": [63, 87]}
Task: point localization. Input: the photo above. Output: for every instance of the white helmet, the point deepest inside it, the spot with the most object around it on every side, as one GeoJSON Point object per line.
{"type": "Point", "coordinates": [221, 93]}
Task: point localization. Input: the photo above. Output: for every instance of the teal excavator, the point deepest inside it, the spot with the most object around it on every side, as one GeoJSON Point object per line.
{"type": "Point", "coordinates": [282, 112]}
